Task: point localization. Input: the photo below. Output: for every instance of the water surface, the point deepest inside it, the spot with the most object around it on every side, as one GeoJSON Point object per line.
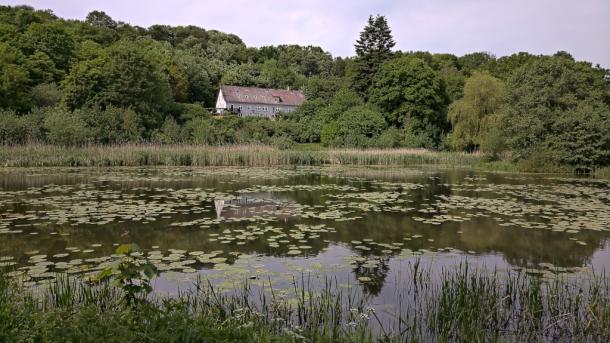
{"type": "Point", "coordinates": [360, 226]}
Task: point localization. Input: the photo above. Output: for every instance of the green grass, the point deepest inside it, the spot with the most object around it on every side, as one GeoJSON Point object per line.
{"type": "Point", "coordinates": [461, 305]}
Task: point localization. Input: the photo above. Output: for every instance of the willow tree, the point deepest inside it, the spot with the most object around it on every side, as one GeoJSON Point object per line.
{"type": "Point", "coordinates": [469, 115]}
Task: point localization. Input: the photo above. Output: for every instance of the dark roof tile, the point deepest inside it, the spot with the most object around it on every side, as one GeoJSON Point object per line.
{"type": "Point", "coordinates": [262, 95]}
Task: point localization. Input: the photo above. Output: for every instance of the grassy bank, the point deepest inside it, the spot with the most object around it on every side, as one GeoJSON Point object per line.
{"type": "Point", "coordinates": [237, 155]}
{"type": "Point", "coordinates": [130, 155]}
{"type": "Point", "coordinates": [462, 305]}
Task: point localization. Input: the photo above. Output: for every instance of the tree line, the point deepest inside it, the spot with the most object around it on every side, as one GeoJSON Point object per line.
{"type": "Point", "coordinates": [103, 81]}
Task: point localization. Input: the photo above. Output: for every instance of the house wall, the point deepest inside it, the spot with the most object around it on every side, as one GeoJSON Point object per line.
{"type": "Point", "coordinates": [259, 110]}
{"type": "Point", "coordinates": [220, 101]}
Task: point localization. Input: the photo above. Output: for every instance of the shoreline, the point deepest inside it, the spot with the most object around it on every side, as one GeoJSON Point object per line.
{"type": "Point", "coordinates": [153, 155]}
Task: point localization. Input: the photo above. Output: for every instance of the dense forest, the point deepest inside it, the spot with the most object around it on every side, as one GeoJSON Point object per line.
{"type": "Point", "coordinates": [102, 81]}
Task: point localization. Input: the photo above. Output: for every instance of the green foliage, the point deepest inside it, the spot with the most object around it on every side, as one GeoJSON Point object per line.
{"type": "Point", "coordinates": [186, 112]}
{"type": "Point", "coordinates": [100, 19]}
{"type": "Point", "coordinates": [14, 79]}
{"type": "Point", "coordinates": [266, 75]}
{"type": "Point", "coordinates": [64, 127]}
{"type": "Point", "coordinates": [409, 93]}
{"type": "Point", "coordinates": [45, 95]}
{"type": "Point", "coordinates": [282, 142]}
{"type": "Point", "coordinates": [231, 129]}
{"type": "Point", "coordinates": [482, 97]}
{"type": "Point", "coordinates": [304, 124]}
{"type": "Point", "coordinates": [475, 61]}
{"type": "Point", "coordinates": [169, 133]}
{"type": "Point", "coordinates": [322, 88]}
{"type": "Point", "coordinates": [124, 75]}
{"type": "Point", "coordinates": [559, 106]}
{"type": "Point", "coordinates": [373, 47]}
{"type": "Point", "coordinates": [19, 129]}
{"type": "Point", "coordinates": [343, 100]}
{"type": "Point", "coordinates": [493, 136]}
{"type": "Point", "coordinates": [304, 60]}
{"type": "Point", "coordinates": [102, 81]}
{"type": "Point", "coordinates": [131, 273]}
{"type": "Point", "coordinates": [505, 66]}
{"type": "Point", "coordinates": [581, 136]}
{"type": "Point", "coordinates": [201, 131]}
{"type": "Point", "coordinates": [390, 138]}
{"type": "Point", "coordinates": [358, 126]}
{"type": "Point", "coordinates": [42, 69]}
{"type": "Point", "coordinates": [113, 125]}
{"type": "Point", "coordinates": [197, 77]}
{"type": "Point", "coordinates": [50, 39]}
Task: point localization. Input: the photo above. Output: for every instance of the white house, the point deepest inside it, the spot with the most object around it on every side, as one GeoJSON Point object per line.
{"type": "Point", "coordinates": [261, 102]}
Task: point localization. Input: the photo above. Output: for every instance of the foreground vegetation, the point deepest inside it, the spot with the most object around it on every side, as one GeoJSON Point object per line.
{"type": "Point", "coordinates": [463, 305]}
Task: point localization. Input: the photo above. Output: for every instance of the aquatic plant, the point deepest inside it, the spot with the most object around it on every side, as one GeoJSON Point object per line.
{"type": "Point", "coordinates": [462, 304]}
{"type": "Point", "coordinates": [201, 155]}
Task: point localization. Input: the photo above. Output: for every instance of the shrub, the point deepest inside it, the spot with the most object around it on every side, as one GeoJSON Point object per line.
{"type": "Point", "coordinates": [45, 95]}
{"type": "Point", "coordinates": [390, 138]}
{"type": "Point", "coordinates": [330, 134]}
{"type": "Point", "coordinates": [282, 142]}
{"type": "Point", "coordinates": [357, 127]}
{"type": "Point", "coordinates": [66, 128]}
{"type": "Point", "coordinates": [113, 125]}
{"type": "Point", "coordinates": [201, 131]}
{"type": "Point", "coordinates": [191, 111]}
{"type": "Point", "coordinates": [169, 133]}
{"type": "Point", "coordinates": [12, 128]}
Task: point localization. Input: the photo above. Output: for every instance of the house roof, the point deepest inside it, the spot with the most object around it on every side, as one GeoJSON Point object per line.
{"type": "Point", "coordinates": [262, 95]}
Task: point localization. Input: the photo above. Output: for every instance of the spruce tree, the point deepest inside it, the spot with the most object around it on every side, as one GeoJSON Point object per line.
{"type": "Point", "coordinates": [372, 49]}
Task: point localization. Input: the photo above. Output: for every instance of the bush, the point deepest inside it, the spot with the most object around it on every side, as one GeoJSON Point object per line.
{"type": "Point", "coordinates": [213, 131]}
{"type": "Point", "coordinates": [415, 138]}
{"type": "Point", "coordinates": [330, 134]}
{"type": "Point", "coordinates": [282, 142]}
{"type": "Point", "coordinates": [12, 128]}
{"type": "Point", "coordinates": [66, 128]}
{"type": "Point", "coordinates": [493, 141]}
{"type": "Point", "coordinates": [390, 138]}
{"type": "Point", "coordinates": [113, 125]}
{"type": "Point", "coordinates": [188, 112]}
{"type": "Point", "coordinates": [45, 95]}
{"type": "Point", "coordinates": [356, 127]}
{"type": "Point", "coordinates": [169, 133]}
{"type": "Point", "coordinates": [201, 131]}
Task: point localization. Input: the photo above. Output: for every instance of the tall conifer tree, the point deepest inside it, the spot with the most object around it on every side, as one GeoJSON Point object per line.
{"type": "Point", "coordinates": [372, 49]}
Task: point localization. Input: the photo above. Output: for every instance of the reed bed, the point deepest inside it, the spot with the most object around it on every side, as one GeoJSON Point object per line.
{"type": "Point", "coordinates": [201, 155]}
{"type": "Point", "coordinates": [458, 304]}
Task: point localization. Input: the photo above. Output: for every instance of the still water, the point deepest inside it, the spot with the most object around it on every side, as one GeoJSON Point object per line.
{"type": "Point", "coordinates": [360, 226]}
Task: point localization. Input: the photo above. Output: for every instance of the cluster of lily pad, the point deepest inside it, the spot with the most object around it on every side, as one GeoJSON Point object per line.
{"type": "Point", "coordinates": [273, 218]}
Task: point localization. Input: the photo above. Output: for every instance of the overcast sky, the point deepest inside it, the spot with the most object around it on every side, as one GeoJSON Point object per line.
{"type": "Point", "coordinates": [581, 27]}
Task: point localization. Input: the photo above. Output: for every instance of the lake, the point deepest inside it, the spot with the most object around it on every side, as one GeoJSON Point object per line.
{"type": "Point", "coordinates": [361, 227]}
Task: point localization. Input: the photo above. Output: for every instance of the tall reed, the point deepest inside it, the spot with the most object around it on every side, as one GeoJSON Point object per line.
{"type": "Point", "coordinates": [201, 155]}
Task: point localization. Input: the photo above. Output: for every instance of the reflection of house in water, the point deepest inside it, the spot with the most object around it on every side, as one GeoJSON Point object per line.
{"type": "Point", "coordinates": [251, 205]}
